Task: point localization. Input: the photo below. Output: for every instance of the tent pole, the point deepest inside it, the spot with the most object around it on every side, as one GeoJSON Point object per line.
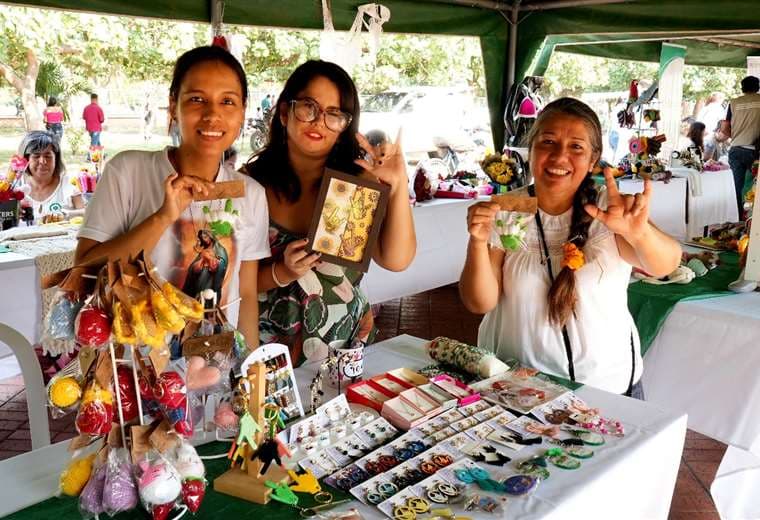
{"type": "Point", "coordinates": [559, 4]}
{"type": "Point", "coordinates": [217, 12]}
{"type": "Point", "coordinates": [496, 5]}
{"type": "Point", "coordinates": [513, 23]}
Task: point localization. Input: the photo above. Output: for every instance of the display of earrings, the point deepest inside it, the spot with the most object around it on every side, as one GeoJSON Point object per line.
{"type": "Point", "coordinates": [280, 382]}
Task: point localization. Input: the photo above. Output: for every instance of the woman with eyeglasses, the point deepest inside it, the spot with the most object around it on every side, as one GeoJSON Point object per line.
{"type": "Point", "coordinates": [306, 303]}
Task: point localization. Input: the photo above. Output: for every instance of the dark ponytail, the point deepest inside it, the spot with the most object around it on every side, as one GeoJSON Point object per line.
{"type": "Point", "coordinates": [562, 295]}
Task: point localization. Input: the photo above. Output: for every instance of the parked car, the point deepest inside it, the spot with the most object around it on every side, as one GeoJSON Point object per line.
{"type": "Point", "coordinates": [427, 115]}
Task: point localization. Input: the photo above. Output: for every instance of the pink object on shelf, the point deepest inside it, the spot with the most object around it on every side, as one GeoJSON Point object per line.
{"type": "Point", "coordinates": [464, 394]}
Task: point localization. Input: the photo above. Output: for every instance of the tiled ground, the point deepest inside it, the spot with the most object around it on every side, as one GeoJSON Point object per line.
{"type": "Point", "coordinates": [434, 313]}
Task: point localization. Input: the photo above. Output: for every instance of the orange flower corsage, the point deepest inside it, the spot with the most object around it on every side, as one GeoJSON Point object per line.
{"type": "Point", "coordinates": [573, 257]}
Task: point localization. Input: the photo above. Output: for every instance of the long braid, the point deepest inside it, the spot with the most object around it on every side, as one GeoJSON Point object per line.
{"type": "Point", "coordinates": [562, 295]}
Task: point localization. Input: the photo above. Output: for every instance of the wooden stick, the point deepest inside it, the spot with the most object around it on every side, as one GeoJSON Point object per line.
{"type": "Point", "coordinates": [518, 203]}
{"type": "Point", "coordinates": [257, 385]}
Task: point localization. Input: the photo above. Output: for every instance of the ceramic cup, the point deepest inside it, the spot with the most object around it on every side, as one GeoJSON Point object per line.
{"type": "Point", "coordinates": [348, 366]}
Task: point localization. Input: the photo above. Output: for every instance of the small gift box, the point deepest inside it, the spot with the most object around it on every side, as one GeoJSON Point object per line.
{"type": "Point", "coordinates": [368, 393]}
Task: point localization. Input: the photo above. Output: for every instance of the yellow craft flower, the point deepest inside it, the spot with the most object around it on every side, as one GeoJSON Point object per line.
{"type": "Point", "coordinates": [741, 245]}
{"type": "Point", "coordinates": [573, 257]}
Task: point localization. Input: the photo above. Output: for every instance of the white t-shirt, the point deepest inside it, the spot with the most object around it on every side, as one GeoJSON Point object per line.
{"type": "Point", "coordinates": [55, 202]}
{"type": "Point", "coordinates": [187, 254]}
{"type": "Point", "coordinates": [600, 336]}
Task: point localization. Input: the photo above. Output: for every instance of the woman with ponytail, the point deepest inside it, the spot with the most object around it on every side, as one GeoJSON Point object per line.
{"type": "Point", "coordinates": [559, 302]}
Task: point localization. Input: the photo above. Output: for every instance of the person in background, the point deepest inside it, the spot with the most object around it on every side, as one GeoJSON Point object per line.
{"type": "Point", "coordinates": [696, 135]}
{"type": "Point", "coordinates": [148, 118]}
{"type": "Point", "coordinates": [266, 103]}
{"type": "Point", "coordinates": [558, 303]}
{"type": "Point", "coordinates": [48, 192]}
{"type": "Point", "coordinates": [743, 127]}
{"type": "Point", "coordinates": [230, 158]}
{"type": "Point", "coordinates": [174, 132]}
{"type": "Point", "coordinates": [713, 111]}
{"type": "Point", "coordinates": [53, 117]}
{"type": "Point", "coordinates": [93, 120]}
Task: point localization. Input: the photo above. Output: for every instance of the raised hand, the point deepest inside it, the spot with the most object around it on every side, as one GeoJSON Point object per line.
{"type": "Point", "coordinates": [480, 218]}
{"type": "Point", "coordinates": [626, 215]}
{"type": "Point", "coordinates": [388, 162]}
{"type": "Point", "coordinates": [179, 192]}
{"type": "Point", "coordinates": [296, 261]}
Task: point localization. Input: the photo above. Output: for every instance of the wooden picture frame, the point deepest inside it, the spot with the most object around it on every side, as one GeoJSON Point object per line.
{"type": "Point", "coordinates": [346, 222]}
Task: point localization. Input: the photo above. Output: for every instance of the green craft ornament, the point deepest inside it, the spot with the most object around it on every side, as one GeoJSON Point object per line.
{"type": "Point", "coordinates": [512, 230]}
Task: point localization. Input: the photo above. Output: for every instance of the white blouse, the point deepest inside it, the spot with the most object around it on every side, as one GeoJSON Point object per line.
{"type": "Point", "coordinates": [600, 333]}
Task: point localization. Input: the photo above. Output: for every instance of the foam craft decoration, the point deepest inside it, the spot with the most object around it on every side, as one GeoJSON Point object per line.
{"type": "Point", "coordinates": [193, 491]}
{"type": "Point", "coordinates": [200, 375]}
{"type": "Point", "coordinates": [75, 476]}
{"type": "Point", "coordinates": [92, 327]}
{"type": "Point", "coordinates": [187, 462]}
{"type": "Point", "coordinates": [65, 392]}
{"type": "Point", "coordinates": [224, 417]}
{"type": "Point", "coordinates": [128, 393]}
{"type": "Point", "coordinates": [527, 109]}
{"type": "Point", "coordinates": [159, 483]}
{"type": "Point", "coordinates": [471, 359]}
{"type": "Point", "coordinates": [91, 499]}
{"type": "Point", "coordinates": [95, 415]}
{"type": "Point", "coordinates": [120, 489]}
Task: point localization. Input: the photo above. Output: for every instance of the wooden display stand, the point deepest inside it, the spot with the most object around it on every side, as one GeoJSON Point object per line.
{"type": "Point", "coordinates": [248, 484]}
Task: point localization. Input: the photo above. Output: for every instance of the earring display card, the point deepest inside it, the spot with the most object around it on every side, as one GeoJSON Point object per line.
{"type": "Point", "coordinates": [519, 393]}
{"type": "Point", "coordinates": [490, 413]}
{"type": "Point", "coordinates": [565, 408]}
{"type": "Point", "coordinates": [347, 219]}
{"type": "Point", "coordinates": [481, 431]}
{"type": "Point", "coordinates": [399, 499]}
{"type": "Point", "coordinates": [528, 427]}
{"type": "Point", "coordinates": [474, 408]}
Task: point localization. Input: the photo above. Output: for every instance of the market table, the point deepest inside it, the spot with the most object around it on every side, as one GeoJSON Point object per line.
{"type": "Point", "coordinates": [715, 205]}
{"type": "Point", "coordinates": [441, 227]}
{"type": "Point", "coordinates": [21, 269]}
{"type": "Point", "coordinates": [630, 478]}
{"type": "Point", "coordinates": [667, 207]}
{"type": "Point", "coordinates": [704, 362]}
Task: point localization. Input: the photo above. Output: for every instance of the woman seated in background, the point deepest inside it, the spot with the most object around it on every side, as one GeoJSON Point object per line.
{"type": "Point", "coordinates": [49, 193]}
{"type": "Point", "coordinates": [558, 303]}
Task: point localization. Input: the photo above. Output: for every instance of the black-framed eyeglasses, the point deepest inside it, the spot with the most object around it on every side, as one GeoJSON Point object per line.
{"type": "Point", "coordinates": [307, 110]}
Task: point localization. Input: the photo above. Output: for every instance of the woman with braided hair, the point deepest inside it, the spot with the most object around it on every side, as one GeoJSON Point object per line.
{"type": "Point", "coordinates": [558, 302]}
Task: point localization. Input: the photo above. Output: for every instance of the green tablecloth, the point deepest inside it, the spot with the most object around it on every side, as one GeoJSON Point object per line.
{"type": "Point", "coordinates": [215, 505]}
{"type": "Point", "coordinates": [650, 304]}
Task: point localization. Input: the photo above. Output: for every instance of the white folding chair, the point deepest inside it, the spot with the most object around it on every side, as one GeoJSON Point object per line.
{"type": "Point", "coordinates": [35, 388]}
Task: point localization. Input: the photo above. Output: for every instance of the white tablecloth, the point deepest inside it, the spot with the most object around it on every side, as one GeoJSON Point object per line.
{"type": "Point", "coordinates": [667, 208]}
{"type": "Point", "coordinates": [441, 227]}
{"type": "Point", "coordinates": [619, 482]}
{"type": "Point", "coordinates": [705, 362]}
{"type": "Point", "coordinates": [20, 303]}
{"type": "Point", "coordinates": [716, 204]}
{"type": "Point", "coordinates": [632, 479]}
